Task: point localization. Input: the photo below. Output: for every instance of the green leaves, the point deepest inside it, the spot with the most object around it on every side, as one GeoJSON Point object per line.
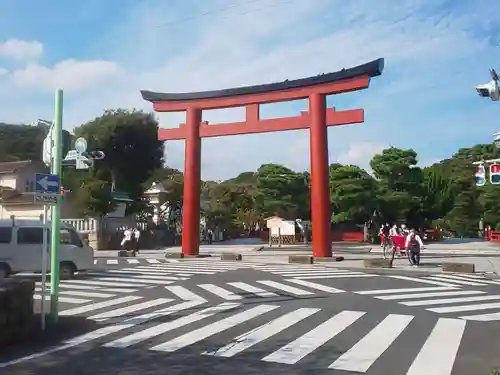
{"type": "Point", "coordinates": [352, 194]}
{"type": "Point", "coordinates": [129, 140]}
{"type": "Point", "coordinates": [282, 192]}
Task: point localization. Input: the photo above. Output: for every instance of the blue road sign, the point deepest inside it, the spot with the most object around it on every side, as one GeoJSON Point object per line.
{"type": "Point", "coordinates": [47, 183]}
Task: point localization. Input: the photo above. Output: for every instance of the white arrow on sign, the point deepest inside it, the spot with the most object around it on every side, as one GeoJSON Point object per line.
{"type": "Point", "coordinates": [45, 183]}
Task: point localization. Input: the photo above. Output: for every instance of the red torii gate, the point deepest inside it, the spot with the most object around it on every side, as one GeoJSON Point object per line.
{"type": "Point", "coordinates": [317, 119]}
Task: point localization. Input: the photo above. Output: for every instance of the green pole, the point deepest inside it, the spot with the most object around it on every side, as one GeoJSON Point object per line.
{"type": "Point", "coordinates": [56, 209]}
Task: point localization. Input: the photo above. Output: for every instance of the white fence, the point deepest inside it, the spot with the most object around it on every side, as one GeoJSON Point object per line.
{"type": "Point", "coordinates": [91, 225]}
{"type": "Point", "coordinates": [88, 225]}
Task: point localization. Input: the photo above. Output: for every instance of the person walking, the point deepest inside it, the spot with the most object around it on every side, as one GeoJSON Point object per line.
{"type": "Point", "coordinates": [127, 239]}
{"type": "Point", "coordinates": [137, 235]}
{"type": "Point", "coordinates": [414, 244]}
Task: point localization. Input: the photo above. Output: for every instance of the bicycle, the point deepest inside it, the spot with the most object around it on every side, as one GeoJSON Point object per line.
{"type": "Point", "coordinates": [387, 246]}
{"type": "Point", "coordinates": [395, 244]}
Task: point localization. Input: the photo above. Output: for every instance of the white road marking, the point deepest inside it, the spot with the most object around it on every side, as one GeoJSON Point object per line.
{"type": "Point", "coordinates": [98, 305]}
{"type": "Point", "coordinates": [211, 329]}
{"type": "Point", "coordinates": [430, 294]}
{"type": "Point", "coordinates": [130, 309]}
{"type": "Point", "coordinates": [366, 351]}
{"type": "Point", "coordinates": [286, 288]}
{"type": "Point", "coordinates": [423, 281]}
{"type": "Point", "coordinates": [249, 339]}
{"type": "Point", "coordinates": [253, 289]}
{"type": "Point", "coordinates": [162, 328]}
{"type": "Point", "coordinates": [220, 292]}
{"type": "Point", "coordinates": [438, 354]}
{"type": "Point", "coordinates": [310, 284]}
{"type": "Point", "coordinates": [402, 290]}
{"type": "Point", "coordinates": [444, 301]}
{"type": "Point", "coordinates": [296, 350]}
{"type": "Point", "coordinates": [453, 309]}
{"type": "Point", "coordinates": [184, 293]}
{"type": "Point", "coordinates": [63, 299]}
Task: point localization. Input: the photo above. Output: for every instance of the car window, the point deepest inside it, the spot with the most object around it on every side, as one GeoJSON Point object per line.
{"type": "Point", "coordinates": [29, 236]}
{"type": "Point", "coordinates": [70, 237]}
{"type": "Point", "coordinates": [5, 234]}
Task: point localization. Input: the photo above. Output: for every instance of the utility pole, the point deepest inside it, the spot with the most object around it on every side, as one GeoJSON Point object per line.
{"type": "Point", "coordinates": [56, 209]}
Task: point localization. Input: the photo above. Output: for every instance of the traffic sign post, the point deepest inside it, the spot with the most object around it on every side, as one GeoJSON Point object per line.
{"type": "Point", "coordinates": [47, 184]}
{"type": "Point", "coordinates": [47, 189]}
{"type": "Point", "coordinates": [56, 209]}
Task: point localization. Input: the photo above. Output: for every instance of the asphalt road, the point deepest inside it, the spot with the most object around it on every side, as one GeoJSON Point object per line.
{"type": "Point", "coordinates": [213, 317]}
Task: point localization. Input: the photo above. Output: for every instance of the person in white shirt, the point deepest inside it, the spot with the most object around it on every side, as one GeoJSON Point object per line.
{"type": "Point", "coordinates": [414, 244]}
{"type": "Point", "coordinates": [127, 238]}
{"type": "Point", "coordinates": [394, 231]}
{"type": "Point", "coordinates": [137, 235]}
{"type": "Point", "coordinates": [404, 230]}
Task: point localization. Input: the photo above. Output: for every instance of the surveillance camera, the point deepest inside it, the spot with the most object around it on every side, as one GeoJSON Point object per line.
{"type": "Point", "coordinates": [489, 90]}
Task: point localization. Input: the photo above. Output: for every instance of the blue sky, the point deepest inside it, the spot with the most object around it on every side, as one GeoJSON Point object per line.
{"type": "Point", "coordinates": [103, 52]}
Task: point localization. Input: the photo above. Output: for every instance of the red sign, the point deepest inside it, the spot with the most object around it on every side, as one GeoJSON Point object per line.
{"type": "Point", "coordinates": [495, 168]}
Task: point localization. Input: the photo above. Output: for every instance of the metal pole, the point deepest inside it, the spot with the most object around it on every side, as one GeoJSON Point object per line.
{"type": "Point", "coordinates": [56, 209]}
{"type": "Point", "coordinates": [44, 265]}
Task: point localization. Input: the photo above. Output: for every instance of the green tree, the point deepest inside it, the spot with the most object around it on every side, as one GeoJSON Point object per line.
{"type": "Point", "coordinates": [94, 194]}
{"type": "Point", "coordinates": [281, 191]}
{"type": "Point", "coordinates": [353, 194]}
{"type": "Point", "coordinates": [489, 199]}
{"type": "Point", "coordinates": [129, 140]}
{"type": "Point", "coordinates": [24, 142]}
{"type": "Point", "coordinates": [399, 192]}
{"type": "Point", "coordinates": [437, 199]}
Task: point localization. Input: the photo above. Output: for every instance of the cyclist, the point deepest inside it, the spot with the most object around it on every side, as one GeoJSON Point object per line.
{"type": "Point", "coordinates": [414, 244]}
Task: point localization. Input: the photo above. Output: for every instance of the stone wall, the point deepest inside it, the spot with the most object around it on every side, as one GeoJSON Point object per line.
{"type": "Point", "coordinates": [16, 310]}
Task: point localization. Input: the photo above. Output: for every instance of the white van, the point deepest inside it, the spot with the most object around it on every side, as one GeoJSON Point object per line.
{"type": "Point", "coordinates": [21, 244]}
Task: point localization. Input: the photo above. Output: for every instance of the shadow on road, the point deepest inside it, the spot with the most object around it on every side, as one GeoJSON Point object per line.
{"type": "Point", "coordinates": [35, 339]}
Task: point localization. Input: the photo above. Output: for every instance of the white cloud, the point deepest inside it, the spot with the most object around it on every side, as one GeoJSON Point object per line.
{"type": "Point", "coordinates": [431, 61]}
{"type": "Point", "coordinates": [3, 71]}
{"type": "Point", "coordinates": [360, 154]}
{"type": "Point", "coordinates": [21, 50]}
{"type": "Point", "coordinates": [67, 74]}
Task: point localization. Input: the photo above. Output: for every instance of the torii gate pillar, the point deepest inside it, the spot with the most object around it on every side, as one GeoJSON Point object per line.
{"type": "Point", "coordinates": [320, 192]}
{"type": "Point", "coordinates": [192, 179]}
{"type": "Point", "coordinates": [317, 120]}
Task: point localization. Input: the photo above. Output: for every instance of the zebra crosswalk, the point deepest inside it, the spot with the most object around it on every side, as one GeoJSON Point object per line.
{"type": "Point", "coordinates": [311, 272]}
{"type": "Point", "coordinates": [444, 300]}
{"type": "Point", "coordinates": [237, 290]}
{"type": "Point", "coordinates": [450, 280]}
{"type": "Point", "coordinates": [96, 286]}
{"type": "Point", "coordinates": [273, 333]}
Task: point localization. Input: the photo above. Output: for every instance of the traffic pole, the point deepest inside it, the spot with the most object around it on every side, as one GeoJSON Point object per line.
{"type": "Point", "coordinates": [56, 209]}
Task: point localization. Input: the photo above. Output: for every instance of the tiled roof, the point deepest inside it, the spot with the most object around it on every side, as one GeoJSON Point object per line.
{"type": "Point", "coordinates": [13, 166]}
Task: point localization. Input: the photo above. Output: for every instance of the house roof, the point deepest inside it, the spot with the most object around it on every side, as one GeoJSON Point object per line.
{"type": "Point", "coordinates": [16, 198]}
{"type": "Point", "coordinates": [14, 166]}
{"type": "Point", "coordinates": [273, 217]}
